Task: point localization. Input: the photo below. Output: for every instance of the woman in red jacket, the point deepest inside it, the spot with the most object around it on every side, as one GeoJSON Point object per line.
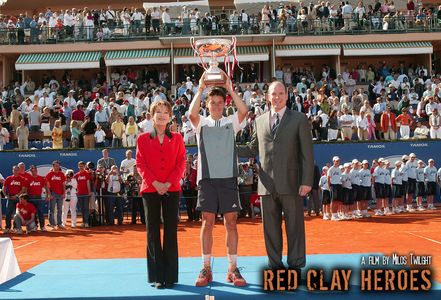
{"type": "Point", "coordinates": [160, 160]}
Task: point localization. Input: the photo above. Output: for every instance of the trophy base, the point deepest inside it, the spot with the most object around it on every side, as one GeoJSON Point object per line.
{"type": "Point", "coordinates": [214, 79]}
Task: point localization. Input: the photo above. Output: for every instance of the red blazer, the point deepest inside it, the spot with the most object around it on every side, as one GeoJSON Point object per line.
{"type": "Point", "coordinates": [385, 122]}
{"type": "Point", "coordinates": [164, 163]}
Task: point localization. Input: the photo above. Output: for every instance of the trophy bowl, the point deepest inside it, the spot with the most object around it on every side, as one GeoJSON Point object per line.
{"type": "Point", "coordinates": [212, 48]}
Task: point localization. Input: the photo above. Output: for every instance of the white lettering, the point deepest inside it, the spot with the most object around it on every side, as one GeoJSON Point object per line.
{"type": "Point", "coordinates": [376, 146]}
{"type": "Point", "coordinates": [69, 154]}
{"type": "Point", "coordinates": [27, 155]}
{"type": "Point", "coordinates": [419, 145]}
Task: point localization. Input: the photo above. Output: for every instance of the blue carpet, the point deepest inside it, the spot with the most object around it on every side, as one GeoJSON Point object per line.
{"type": "Point", "coordinates": [126, 279]}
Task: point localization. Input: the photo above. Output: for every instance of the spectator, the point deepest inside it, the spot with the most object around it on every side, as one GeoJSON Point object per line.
{"type": "Point", "coordinates": [114, 181]}
{"type": "Point", "coordinates": [75, 132]}
{"type": "Point", "coordinates": [117, 129]}
{"type": "Point", "coordinates": [22, 133]}
{"type": "Point", "coordinates": [131, 132]}
{"type": "Point", "coordinates": [127, 165]}
{"type": "Point", "coordinates": [133, 183]}
{"type": "Point", "coordinates": [25, 215]}
{"type": "Point", "coordinates": [88, 128]}
{"type": "Point", "coordinates": [421, 131]}
{"type": "Point", "coordinates": [371, 127]}
{"type": "Point", "coordinates": [4, 136]}
{"type": "Point", "coordinates": [435, 124]}
{"type": "Point", "coordinates": [100, 136]}
{"type": "Point", "coordinates": [34, 119]}
{"type": "Point", "coordinates": [346, 121]}
{"type": "Point", "coordinates": [362, 126]}
{"type": "Point", "coordinates": [15, 117]}
{"type": "Point", "coordinates": [106, 161]}
{"type": "Point", "coordinates": [388, 124]}
{"type": "Point", "coordinates": [70, 200]}
{"type": "Point", "coordinates": [57, 136]}
{"type": "Point", "coordinates": [333, 126]}
{"type": "Point", "coordinates": [404, 121]}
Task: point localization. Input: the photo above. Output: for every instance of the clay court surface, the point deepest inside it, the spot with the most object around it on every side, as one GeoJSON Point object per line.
{"type": "Point", "coordinates": [418, 233]}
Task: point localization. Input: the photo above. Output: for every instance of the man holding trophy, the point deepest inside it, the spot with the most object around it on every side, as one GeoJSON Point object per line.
{"type": "Point", "coordinates": [217, 159]}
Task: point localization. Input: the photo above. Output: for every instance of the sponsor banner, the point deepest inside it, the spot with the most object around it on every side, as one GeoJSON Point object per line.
{"type": "Point", "coordinates": [323, 154]}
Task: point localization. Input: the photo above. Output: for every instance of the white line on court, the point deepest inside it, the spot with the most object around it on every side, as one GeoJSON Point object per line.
{"type": "Point", "coordinates": [27, 244]}
{"type": "Point", "coordinates": [422, 237]}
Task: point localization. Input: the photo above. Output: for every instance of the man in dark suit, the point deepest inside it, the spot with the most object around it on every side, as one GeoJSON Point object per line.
{"type": "Point", "coordinates": [282, 139]}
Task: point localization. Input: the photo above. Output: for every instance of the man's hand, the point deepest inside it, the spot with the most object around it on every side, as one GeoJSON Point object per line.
{"type": "Point", "coordinates": [228, 85]}
{"type": "Point", "coordinates": [304, 190]}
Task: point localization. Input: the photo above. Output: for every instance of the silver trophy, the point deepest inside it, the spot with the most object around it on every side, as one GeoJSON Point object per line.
{"type": "Point", "coordinates": [215, 48]}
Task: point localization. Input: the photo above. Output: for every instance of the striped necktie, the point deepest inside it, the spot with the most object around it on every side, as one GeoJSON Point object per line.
{"type": "Point", "coordinates": [275, 125]}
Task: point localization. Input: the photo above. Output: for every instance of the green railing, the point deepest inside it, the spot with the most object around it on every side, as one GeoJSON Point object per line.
{"type": "Point", "coordinates": [291, 26]}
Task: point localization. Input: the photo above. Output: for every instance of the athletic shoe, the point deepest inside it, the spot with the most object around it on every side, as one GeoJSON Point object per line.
{"type": "Point", "coordinates": [378, 213]}
{"type": "Point", "coordinates": [387, 211]}
{"type": "Point", "coordinates": [33, 229]}
{"type": "Point", "coordinates": [366, 215]}
{"type": "Point", "coordinates": [421, 208]}
{"type": "Point", "coordinates": [61, 226]}
{"type": "Point", "coordinates": [86, 225]}
{"type": "Point", "coordinates": [236, 278]}
{"type": "Point", "coordinates": [205, 277]}
{"type": "Point", "coordinates": [19, 231]}
{"type": "Point", "coordinates": [410, 208]}
{"type": "Point", "coordinates": [335, 217]}
{"type": "Point", "coordinates": [326, 217]}
{"type": "Point", "coordinates": [431, 207]}
{"type": "Point", "coordinates": [73, 226]}
{"type": "Point", "coordinates": [43, 229]}
{"type": "Point", "coordinates": [6, 231]}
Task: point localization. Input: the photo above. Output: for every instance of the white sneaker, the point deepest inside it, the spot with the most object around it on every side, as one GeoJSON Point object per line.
{"type": "Point", "coordinates": [378, 212]}
{"type": "Point", "coordinates": [410, 208]}
{"type": "Point", "coordinates": [421, 208]}
{"type": "Point", "coordinates": [366, 215]}
{"type": "Point", "coordinates": [335, 217]}
{"type": "Point", "coordinates": [61, 226]}
{"type": "Point", "coordinates": [326, 217]}
{"type": "Point", "coordinates": [431, 207]}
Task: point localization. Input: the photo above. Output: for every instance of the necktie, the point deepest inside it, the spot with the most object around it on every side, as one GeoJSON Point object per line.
{"type": "Point", "coordinates": [275, 125]}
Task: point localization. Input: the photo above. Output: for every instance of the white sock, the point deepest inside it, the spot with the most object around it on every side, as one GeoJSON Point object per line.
{"type": "Point", "coordinates": [206, 259]}
{"type": "Point", "coordinates": [232, 259]}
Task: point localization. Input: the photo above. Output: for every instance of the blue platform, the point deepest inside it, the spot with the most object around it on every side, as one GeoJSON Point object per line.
{"type": "Point", "coordinates": [126, 279]}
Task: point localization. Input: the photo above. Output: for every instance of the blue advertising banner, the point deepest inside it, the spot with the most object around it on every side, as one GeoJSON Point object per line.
{"type": "Point", "coordinates": [323, 153]}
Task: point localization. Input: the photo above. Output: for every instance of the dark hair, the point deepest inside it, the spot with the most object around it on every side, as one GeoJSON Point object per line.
{"type": "Point", "coordinates": [24, 196]}
{"type": "Point", "coordinates": [217, 91]}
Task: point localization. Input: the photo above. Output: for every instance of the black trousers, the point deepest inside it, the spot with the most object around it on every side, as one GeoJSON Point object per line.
{"type": "Point", "coordinates": [162, 260]}
{"type": "Point", "coordinates": [191, 199]}
{"type": "Point", "coordinates": [137, 207]}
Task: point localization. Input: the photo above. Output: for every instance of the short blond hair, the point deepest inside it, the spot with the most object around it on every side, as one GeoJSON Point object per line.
{"type": "Point", "coordinates": [159, 103]}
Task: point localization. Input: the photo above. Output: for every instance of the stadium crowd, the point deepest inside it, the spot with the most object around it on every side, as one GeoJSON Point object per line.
{"type": "Point", "coordinates": [379, 102]}
{"type": "Point", "coordinates": [107, 23]}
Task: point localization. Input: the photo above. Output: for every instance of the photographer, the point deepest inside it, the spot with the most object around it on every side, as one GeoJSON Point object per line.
{"type": "Point", "coordinates": [189, 190]}
{"type": "Point", "coordinates": [100, 186]}
{"type": "Point", "coordinates": [246, 177]}
{"type": "Point", "coordinates": [133, 183]}
{"type": "Point", "coordinates": [114, 187]}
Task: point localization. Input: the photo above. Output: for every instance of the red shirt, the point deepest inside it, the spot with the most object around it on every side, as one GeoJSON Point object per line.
{"type": "Point", "coordinates": [404, 119]}
{"type": "Point", "coordinates": [14, 184]}
{"type": "Point", "coordinates": [163, 163]}
{"type": "Point", "coordinates": [78, 115]}
{"type": "Point", "coordinates": [56, 181]}
{"type": "Point", "coordinates": [82, 178]}
{"type": "Point", "coordinates": [26, 210]}
{"type": "Point", "coordinates": [36, 185]}
{"type": "Point", "coordinates": [26, 176]}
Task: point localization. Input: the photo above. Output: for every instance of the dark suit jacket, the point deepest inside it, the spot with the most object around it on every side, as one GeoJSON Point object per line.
{"type": "Point", "coordinates": [286, 161]}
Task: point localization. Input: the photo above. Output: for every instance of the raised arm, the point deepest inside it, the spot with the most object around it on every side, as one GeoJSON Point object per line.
{"type": "Point", "coordinates": [195, 105]}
